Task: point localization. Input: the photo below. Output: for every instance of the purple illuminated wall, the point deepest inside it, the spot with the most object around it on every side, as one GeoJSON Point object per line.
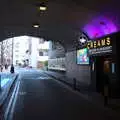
{"type": "Point", "coordinates": [100, 26]}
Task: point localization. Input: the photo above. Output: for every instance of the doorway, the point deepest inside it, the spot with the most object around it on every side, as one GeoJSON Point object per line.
{"type": "Point", "coordinates": [103, 65]}
{"type": "Point", "coordinates": [99, 73]}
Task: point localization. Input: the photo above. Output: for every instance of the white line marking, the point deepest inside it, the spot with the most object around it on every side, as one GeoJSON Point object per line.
{"type": "Point", "coordinates": [12, 101]}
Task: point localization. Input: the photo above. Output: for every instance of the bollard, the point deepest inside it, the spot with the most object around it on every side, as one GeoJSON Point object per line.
{"type": "Point", "coordinates": [74, 83]}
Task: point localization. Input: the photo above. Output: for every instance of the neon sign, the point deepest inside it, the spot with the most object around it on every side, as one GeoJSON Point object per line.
{"type": "Point", "coordinates": [100, 46]}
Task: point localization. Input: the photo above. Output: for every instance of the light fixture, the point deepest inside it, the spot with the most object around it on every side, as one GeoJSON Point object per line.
{"type": "Point", "coordinates": [43, 7]}
{"type": "Point", "coordinates": [82, 40]}
{"type": "Point", "coordinates": [36, 25]}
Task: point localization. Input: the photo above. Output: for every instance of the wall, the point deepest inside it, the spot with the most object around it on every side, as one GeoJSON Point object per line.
{"type": "Point", "coordinates": [56, 50]}
{"type": "Point", "coordinates": [80, 72]}
{"type": "Point", "coordinates": [57, 64]}
{"type": "Point", "coordinates": [56, 57]}
{"type": "Point", "coordinates": [21, 44]}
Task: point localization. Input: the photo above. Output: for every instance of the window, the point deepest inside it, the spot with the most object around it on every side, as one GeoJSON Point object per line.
{"type": "Point", "coordinates": [45, 53]}
{"type": "Point", "coordinates": [40, 53]}
{"type": "Point", "coordinates": [16, 50]}
{"type": "Point", "coordinates": [41, 41]}
{"type": "Point", "coordinates": [16, 56]}
{"type": "Point", "coordinates": [16, 61]}
{"type": "Point", "coordinates": [17, 44]}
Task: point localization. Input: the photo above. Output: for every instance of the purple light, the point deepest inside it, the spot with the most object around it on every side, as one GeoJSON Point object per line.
{"type": "Point", "coordinates": [99, 27]}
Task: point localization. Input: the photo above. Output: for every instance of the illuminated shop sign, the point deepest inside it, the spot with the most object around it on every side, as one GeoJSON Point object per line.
{"type": "Point", "coordinates": [82, 39]}
{"type": "Point", "coordinates": [100, 46]}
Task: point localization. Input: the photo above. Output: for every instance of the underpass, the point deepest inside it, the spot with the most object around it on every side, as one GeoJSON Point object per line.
{"type": "Point", "coordinates": [84, 46]}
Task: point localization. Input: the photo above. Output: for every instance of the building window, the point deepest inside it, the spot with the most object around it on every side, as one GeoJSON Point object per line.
{"type": "Point", "coordinates": [16, 50]}
{"type": "Point", "coordinates": [45, 53]}
{"type": "Point", "coordinates": [17, 44]}
{"type": "Point", "coordinates": [16, 56]}
{"type": "Point", "coordinates": [16, 61]}
{"type": "Point", "coordinates": [41, 41]}
{"type": "Point", "coordinates": [40, 53]}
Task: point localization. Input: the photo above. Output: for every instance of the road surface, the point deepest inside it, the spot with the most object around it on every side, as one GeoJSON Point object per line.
{"type": "Point", "coordinates": [42, 98]}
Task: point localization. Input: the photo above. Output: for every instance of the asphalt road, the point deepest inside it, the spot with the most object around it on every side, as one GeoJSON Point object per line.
{"type": "Point", "coordinates": [42, 98]}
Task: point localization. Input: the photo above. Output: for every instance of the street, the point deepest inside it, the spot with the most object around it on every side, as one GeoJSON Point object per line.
{"type": "Point", "coordinates": [41, 98]}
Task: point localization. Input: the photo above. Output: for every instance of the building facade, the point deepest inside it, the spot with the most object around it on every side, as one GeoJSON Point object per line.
{"type": "Point", "coordinates": [30, 51]}
{"type": "Point", "coordinates": [90, 60]}
{"type": "Point", "coordinates": [56, 57]}
{"type": "Point", "coordinates": [20, 46]}
{"type": "Point", "coordinates": [38, 52]}
{"type": "Point", "coordinates": [6, 53]}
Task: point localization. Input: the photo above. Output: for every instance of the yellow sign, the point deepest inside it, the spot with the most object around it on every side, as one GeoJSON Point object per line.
{"type": "Point", "coordinates": [99, 43]}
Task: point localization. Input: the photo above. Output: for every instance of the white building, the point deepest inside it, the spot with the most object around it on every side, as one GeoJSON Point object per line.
{"type": "Point", "coordinates": [31, 49]}
{"type": "Point", "coordinates": [21, 45]}
{"type": "Point", "coordinates": [39, 52]}
{"type": "Point", "coordinates": [6, 52]}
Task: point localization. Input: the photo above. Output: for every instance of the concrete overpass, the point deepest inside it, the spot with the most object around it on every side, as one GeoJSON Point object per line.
{"type": "Point", "coordinates": [62, 21]}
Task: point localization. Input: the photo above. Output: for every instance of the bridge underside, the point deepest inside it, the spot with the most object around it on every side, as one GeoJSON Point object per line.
{"type": "Point", "coordinates": [62, 21]}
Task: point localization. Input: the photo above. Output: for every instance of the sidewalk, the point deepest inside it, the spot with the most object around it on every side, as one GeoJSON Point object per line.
{"type": "Point", "coordinates": [85, 92]}
{"type": "Point", "coordinates": [7, 80]}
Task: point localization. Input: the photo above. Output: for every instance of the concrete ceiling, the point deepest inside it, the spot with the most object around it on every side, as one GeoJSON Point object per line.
{"type": "Point", "coordinates": [60, 22]}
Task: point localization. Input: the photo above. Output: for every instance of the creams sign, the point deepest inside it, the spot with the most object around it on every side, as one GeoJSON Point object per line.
{"type": "Point", "coordinates": [100, 46]}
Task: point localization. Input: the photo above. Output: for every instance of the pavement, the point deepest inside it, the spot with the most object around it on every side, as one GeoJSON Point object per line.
{"type": "Point", "coordinates": [41, 97]}
{"type": "Point", "coordinates": [86, 93]}
{"type": "Point", "coordinates": [6, 81]}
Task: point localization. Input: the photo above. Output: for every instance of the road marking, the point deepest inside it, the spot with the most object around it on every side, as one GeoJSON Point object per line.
{"type": "Point", "coordinates": [43, 78]}
{"type": "Point", "coordinates": [22, 93]}
{"type": "Point", "coordinates": [12, 102]}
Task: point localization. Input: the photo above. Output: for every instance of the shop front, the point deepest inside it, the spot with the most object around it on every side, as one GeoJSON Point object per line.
{"type": "Point", "coordinates": [102, 55]}
{"type": "Point", "coordinates": [104, 60]}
